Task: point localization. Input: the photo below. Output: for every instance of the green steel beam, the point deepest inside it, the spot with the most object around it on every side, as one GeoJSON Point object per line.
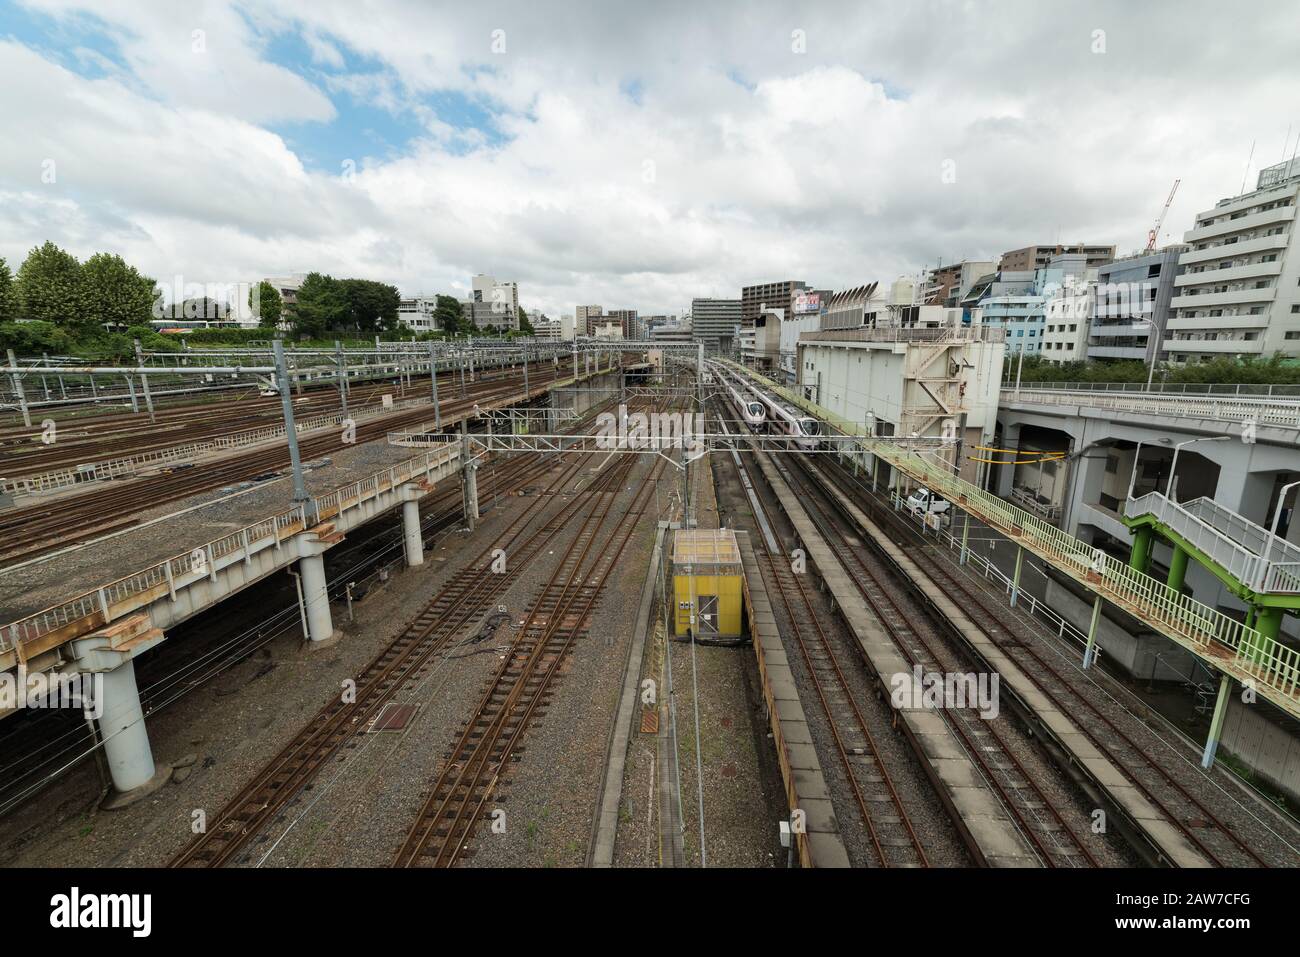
{"type": "Point", "coordinates": [1178, 568]}
{"type": "Point", "coordinates": [1140, 557]}
{"type": "Point", "coordinates": [1233, 584]}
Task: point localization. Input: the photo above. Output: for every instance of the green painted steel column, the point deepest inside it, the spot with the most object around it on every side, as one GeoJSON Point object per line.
{"type": "Point", "coordinates": [1269, 622]}
{"type": "Point", "coordinates": [1090, 649]}
{"type": "Point", "coordinates": [1141, 554]}
{"type": "Point", "coordinates": [1178, 569]}
{"type": "Point", "coordinates": [1015, 581]}
{"type": "Point", "coordinates": [1216, 723]}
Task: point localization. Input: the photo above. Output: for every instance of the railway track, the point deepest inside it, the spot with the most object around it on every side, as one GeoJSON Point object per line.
{"type": "Point", "coordinates": [42, 527]}
{"type": "Point", "coordinates": [919, 638]}
{"type": "Point", "coordinates": [885, 817]}
{"type": "Point", "coordinates": [518, 692]}
{"type": "Point", "coordinates": [51, 738]}
{"type": "Point", "coordinates": [465, 598]}
{"type": "Point", "coordinates": [1161, 781]}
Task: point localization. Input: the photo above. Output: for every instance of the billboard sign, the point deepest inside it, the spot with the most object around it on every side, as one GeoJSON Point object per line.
{"type": "Point", "coordinates": [805, 302]}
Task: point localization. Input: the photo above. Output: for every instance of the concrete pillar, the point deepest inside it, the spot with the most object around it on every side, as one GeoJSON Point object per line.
{"type": "Point", "coordinates": [1177, 569]}
{"type": "Point", "coordinates": [469, 493]}
{"type": "Point", "coordinates": [1090, 649]}
{"type": "Point", "coordinates": [1216, 723]}
{"type": "Point", "coordinates": [116, 704]}
{"type": "Point", "coordinates": [122, 728]}
{"type": "Point", "coordinates": [411, 534]}
{"type": "Point", "coordinates": [1140, 557]}
{"type": "Point", "coordinates": [315, 597]}
{"type": "Point", "coordinates": [1015, 581]}
{"type": "Point", "coordinates": [1007, 471]}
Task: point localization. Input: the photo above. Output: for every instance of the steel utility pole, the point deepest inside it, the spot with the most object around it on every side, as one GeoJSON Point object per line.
{"type": "Point", "coordinates": [343, 376]}
{"type": "Point", "coordinates": [433, 378]}
{"type": "Point", "coordinates": [290, 430]}
{"type": "Point", "coordinates": [18, 389]}
{"type": "Point", "coordinates": [144, 381]}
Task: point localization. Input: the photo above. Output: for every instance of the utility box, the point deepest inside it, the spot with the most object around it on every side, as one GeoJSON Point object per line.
{"type": "Point", "coordinates": [707, 591]}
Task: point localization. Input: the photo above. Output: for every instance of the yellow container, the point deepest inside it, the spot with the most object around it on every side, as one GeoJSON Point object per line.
{"type": "Point", "coordinates": [707, 592]}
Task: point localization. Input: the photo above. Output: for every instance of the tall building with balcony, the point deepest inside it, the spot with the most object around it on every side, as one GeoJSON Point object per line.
{"type": "Point", "coordinates": [1131, 308]}
{"type": "Point", "coordinates": [770, 295]}
{"type": "Point", "coordinates": [1239, 290]}
{"type": "Point", "coordinates": [715, 322]}
{"type": "Point", "coordinates": [946, 285]}
{"type": "Point", "coordinates": [1037, 257]}
{"type": "Point", "coordinates": [504, 294]}
{"type": "Point", "coordinates": [586, 317]}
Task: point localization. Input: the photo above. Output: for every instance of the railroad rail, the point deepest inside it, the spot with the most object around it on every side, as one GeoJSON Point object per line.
{"type": "Point", "coordinates": [466, 596]}
{"type": "Point", "coordinates": [1161, 777]}
{"type": "Point", "coordinates": [517, 693]}
{"type": "Point", "coordinates": [892, 835]}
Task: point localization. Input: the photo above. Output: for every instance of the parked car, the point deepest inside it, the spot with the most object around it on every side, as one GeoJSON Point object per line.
{"type": "Point", "coordinates": [924, 502]}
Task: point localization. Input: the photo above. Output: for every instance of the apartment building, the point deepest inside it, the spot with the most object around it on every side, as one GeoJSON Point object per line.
{"type": "Point", "coordinates": [715, 322]}
{"type": "Point", "coordinates": [1131, 307]}
{"type": "Point", "coordinates": [490, 316]}
{"type": "Point", "coordinates": [1238, 293]}
{"type": "Point", "coordinates": [1037, 257]}
{"type": "Point", "coordinates": [946, 285]}
{"type": "Point", "coordinates": [1066, 318]}
{"type": "Point", "coordinates": [417, 313]}
{"type": "Point", "coordinates": [585, 318]}
{"type": "Point", "coordinates": [487, 289]}
{"type": "Point", "coordinates": [626, 318]}
{"type": "Point", "coordinates": [771, 295]}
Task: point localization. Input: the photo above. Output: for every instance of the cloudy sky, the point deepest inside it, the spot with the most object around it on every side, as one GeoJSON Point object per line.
{"type": "Point", "coordinates": [633, 155]}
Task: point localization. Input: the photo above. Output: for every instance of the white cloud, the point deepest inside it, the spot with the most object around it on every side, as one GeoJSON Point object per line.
{"type": "Point", "coordinates": [737, 160]}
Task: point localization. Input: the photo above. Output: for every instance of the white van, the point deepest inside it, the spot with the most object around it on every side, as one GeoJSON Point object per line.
{"type": "Point", "coordinates": [925, 502]}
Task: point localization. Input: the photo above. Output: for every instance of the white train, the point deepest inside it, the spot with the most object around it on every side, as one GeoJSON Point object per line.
{"type": "Point", "coordinates": [788, 419]}
{"type": "Point", "coordinates": [746, 403]}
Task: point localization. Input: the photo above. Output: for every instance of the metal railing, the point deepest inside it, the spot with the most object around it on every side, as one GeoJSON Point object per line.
{"type": "Point", "coordinates": [1278, 412]}
{"type": "Point", "coordinates": [1235, 390]}
{"type": "Point", "coordinates": [61, 479]}
{"type": "Point", "coordinates": [97, 607]}
{"type": "Point", "coordinates": [1221, 638]}
{"type": "Point", "coordinates": [1231, 541]}
{"type": "Point", "coordinates": [934, 334]}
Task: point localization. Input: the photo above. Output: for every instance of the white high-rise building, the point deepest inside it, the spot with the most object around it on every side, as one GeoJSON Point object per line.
{"type": "Point", "coordinates": [1239, 290]}
{"type": "Point", "coordinates": [503, 294]}
{"type": "Point", "coordinates": [1066, 321]}
{"type": "Point", "coordinates": [584, 318]}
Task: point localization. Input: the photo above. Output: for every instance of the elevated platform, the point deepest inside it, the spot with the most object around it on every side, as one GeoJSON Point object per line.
{"type": "Point", "coordinates": [1222, 642]}
{"type": "Point", "coordinates": [993, 838]}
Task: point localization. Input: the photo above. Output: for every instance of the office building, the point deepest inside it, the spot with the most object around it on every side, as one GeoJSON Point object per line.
{"type": "Point", "coordinates": [1238, 292]}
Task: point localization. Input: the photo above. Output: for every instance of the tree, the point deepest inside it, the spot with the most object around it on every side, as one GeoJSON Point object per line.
{"type": "Point", "coordinates": [525, 326]}
{"type": "Point", "coordinates": [268, 306]}
{"type": "Point", "coordinates": [49, 289]}
{"type": "Point", "coordinates": [321, 306]}
{"type": "Point", "coordinates": [116, 292]}
{"type": "Point", "coordinates": [371, 306]}
{"type": "Point", "coordinates": [447, 315]}
{"type": "Point", "coordinates": [8, 294]}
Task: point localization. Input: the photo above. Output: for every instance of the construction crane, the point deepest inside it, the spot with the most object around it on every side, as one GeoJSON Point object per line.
{"type": "Point", "coordinates": [1155, 230]}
